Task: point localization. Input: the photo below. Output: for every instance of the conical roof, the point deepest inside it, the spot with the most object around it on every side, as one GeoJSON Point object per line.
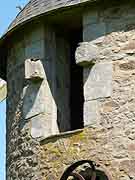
{"type": "Point", "coordinates": [38, 7]}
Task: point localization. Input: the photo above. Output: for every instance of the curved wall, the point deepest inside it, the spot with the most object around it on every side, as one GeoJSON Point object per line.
{"type": "Point", "coordinates": [109, 88]}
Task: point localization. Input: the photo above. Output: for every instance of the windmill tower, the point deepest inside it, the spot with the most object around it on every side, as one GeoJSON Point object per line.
{"type": "Point", "coordinates": [70, 73]}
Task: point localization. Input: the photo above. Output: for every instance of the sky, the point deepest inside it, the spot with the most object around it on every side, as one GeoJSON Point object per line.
{"type": "Point", "coordinates": [8, 12]}
{"type": "Point", "coordinates": [2, 139]}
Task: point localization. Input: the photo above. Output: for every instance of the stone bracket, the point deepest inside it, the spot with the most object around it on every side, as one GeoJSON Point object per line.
{"type": "Point", "coordinates": [34, 69]}
{"type": "Point", "coordinates": [86, 53]}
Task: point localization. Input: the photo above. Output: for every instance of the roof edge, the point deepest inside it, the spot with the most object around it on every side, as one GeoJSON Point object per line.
{"type": "Point", "coordinates": [16, 27]}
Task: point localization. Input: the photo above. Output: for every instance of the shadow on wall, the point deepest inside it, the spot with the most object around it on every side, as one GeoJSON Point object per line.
{"type": "Point", "coordinates": [22, 94]}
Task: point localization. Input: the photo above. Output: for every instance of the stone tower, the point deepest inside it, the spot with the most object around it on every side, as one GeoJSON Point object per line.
{"type": "Point", "coordinates": [70, 72]}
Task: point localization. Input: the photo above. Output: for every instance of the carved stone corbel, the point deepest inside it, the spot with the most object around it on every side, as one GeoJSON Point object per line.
{"type": "Point", "coordinates": [86, 53]}
{"type": "Point", "coordinates": [34, 69]}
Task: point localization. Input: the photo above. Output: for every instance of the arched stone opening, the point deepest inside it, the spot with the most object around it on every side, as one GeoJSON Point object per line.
{"type": "Point", "coordinates": [85, 170]}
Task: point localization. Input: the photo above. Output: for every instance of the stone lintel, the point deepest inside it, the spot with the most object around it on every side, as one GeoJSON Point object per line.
{"type": "Point", "coordinates": [86, 54]}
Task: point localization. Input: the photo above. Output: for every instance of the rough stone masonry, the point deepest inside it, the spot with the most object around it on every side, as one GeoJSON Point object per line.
{"type": "Point", "coordinates": [38, 83]}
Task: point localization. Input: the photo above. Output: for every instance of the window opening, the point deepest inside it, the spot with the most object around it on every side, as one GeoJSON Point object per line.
{"type": "Point", "coordinates": [76, 88]}
{"type": "Point", "coordinates": [69, 80]}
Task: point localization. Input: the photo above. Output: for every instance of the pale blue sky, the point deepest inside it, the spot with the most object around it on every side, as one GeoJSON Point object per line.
{"type": "Point", "coordinates": [8, 11]}
{"type": "Point", "coordinates": [2, 139]}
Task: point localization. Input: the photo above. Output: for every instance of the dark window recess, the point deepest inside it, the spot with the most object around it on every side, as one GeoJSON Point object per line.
{"type": "Point", "coordinates": [67, 40]}
{"type": "Point", "coordinates": [76, 90]}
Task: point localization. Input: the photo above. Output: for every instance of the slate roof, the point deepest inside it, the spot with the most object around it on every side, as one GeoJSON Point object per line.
{"type": "Point", "coordinates": [37, 7]}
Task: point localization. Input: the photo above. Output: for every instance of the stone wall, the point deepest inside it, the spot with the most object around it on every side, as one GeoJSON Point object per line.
{"type": "Point", "coordinates": [107, 55]}
{"type": "Point", "coordinates": [108, 61]}
{"type": "Point", "coordinates": [22, 159]}
{"type": "Point", "coordinates": [38, 96]}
